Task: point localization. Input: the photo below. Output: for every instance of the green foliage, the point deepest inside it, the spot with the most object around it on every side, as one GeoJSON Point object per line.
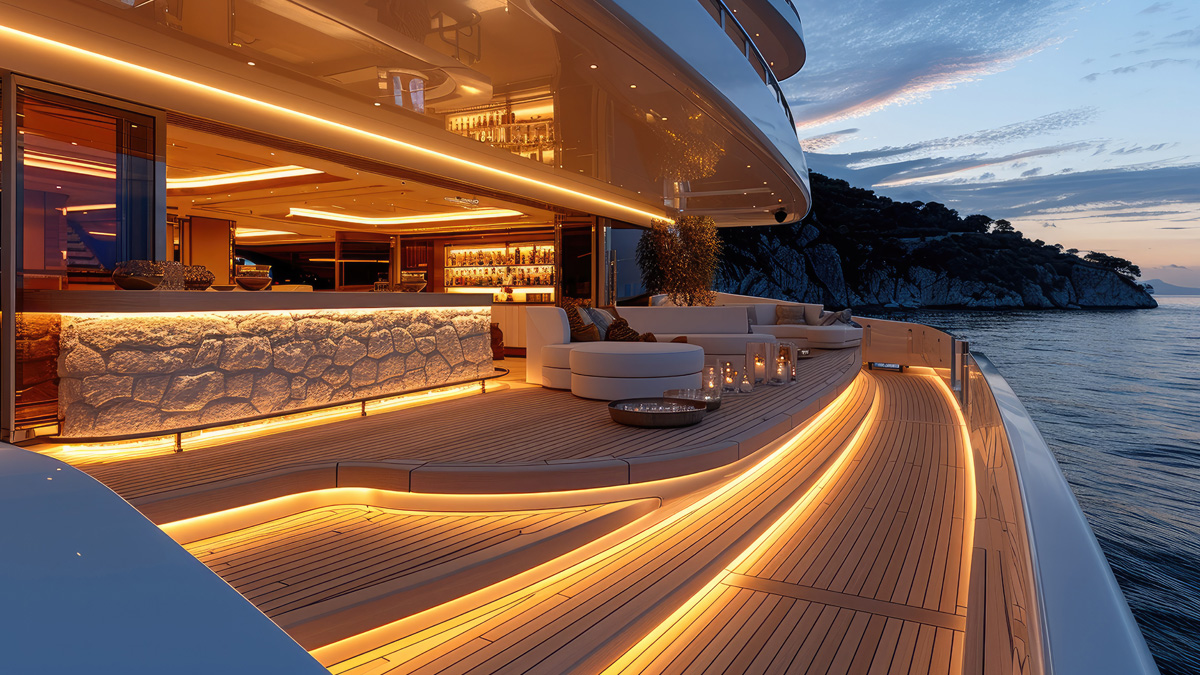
{"type": "Point", "coordinates": [1111, 262]}
{"type": "Point", "coordinates": [681, 260]}
{"type": "Point", "coordinates": [873, 234]}
{"type": "Point", "coordinates": [653, 254]}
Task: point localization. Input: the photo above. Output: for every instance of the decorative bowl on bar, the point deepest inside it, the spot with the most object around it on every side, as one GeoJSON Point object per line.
{"type": "Point", "coordinates": [138, 275]}
{"type": "Point", "coordinates": [197, 277]}
{"type": "Point", "coordinates": [711, 398]}
{"type": "Point", "coordinates": [657, 412]}
{"type": "Point", "coordinates": [253, 277]}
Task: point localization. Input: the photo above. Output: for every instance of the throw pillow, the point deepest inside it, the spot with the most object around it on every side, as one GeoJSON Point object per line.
{"type": "Point", "coordinates": [812, 314]}
{"type": "Point", "coordinates": [619, 331]}
{"type": "Point", "coordinates": [845, 316]}
{"type": "Point", "coordinates": [602, 318]}
{"type": "Point", "coordinates": [680, 338]}
{"type": "Point", "coordinates": [830, 318]}
{"type": "Point", "coordinates": [789, 315]}
{"type": "Point", "coordinates": [589, 334]}
{"type": "Point", "coordinates": [578, 320]}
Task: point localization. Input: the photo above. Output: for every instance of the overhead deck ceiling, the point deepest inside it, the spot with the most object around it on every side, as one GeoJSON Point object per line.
{"type": "Point", "coordinates": [627, 132]}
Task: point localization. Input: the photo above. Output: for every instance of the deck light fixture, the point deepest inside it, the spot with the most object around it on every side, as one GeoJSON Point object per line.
{"type": "Point", "coordinates": [237, 177]}
{"type": "Point", "coordinates": [406, 220]}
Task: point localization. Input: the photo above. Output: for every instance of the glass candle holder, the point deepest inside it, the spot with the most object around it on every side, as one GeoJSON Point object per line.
{"type": "Point", "coordinates": [787, 354]}
{"type": "Point", "coordinates": [756, 362]}
{"type": "Point", "coordinates": [710, 380]}
{"type": "Point", "coordinates": [778, 371]}
{"type": "Point", "coordinates": [730, 377]}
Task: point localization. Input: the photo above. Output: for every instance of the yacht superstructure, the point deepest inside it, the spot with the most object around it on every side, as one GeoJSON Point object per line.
{"type": "Point", "coordinates": [366, 480]}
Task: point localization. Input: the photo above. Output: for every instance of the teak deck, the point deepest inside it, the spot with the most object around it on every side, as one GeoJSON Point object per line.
{"type": "Point", "coordinates": [837, 549]}
{"type": "Point", "coordinates": [516, 427]}
{"type": "Point", "coordinates": [839, 553]}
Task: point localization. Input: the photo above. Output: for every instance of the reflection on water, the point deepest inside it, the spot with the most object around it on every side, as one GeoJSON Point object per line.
{"type": "Point", "coordinates": [1116, 394]}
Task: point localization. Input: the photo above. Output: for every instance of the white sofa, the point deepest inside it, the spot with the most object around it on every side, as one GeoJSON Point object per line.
{"type": "Point", "coordinates": [834, 336]}
{"type": "Point", "coordinates": [719, 331]}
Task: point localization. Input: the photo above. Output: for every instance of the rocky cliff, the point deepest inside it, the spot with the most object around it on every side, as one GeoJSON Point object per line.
{"type": "Point", "coordinates": [861, 250]}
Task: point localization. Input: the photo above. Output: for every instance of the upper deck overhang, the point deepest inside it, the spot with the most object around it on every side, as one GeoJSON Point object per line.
{"type": "Point", "coordinates": [711, 68]}
{"type": "Point", "coordinates": [647, 131]}
{"type": "Point", "coordinates": [775, 27]}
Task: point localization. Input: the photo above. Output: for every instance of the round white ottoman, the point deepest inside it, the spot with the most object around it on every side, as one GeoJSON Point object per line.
{"type": "Point", "coordinates": [614, 370]}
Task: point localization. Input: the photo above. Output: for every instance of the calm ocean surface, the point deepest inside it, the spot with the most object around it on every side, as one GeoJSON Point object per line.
{"type": "Point", "coordinates": [1116, 395]}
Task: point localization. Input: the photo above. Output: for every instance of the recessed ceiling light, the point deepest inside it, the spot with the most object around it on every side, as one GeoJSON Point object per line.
{"type": "Point", "coordinates": [249, 63]}
{"type": "Point", "coordinates": [633, 86]}
{"type": "Point", "coordinates": [377, 103]}
{"type": "Point", "coordinates": [594, 66]}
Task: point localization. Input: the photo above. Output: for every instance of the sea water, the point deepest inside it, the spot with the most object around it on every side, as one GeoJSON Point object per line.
{"type": "Point", "coordinates": [1116, 394]}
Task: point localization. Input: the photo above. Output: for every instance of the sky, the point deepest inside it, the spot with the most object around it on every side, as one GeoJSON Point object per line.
{"type": "Point", "coordinates": [1079, 122]}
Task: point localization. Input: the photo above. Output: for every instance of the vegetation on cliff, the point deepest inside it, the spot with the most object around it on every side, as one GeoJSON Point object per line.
{"type": "Point", "coordinates": [857, 248]}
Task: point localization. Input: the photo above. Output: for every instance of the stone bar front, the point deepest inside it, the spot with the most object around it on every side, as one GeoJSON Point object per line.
{"type": "Point", "coordinates": [146, 362]}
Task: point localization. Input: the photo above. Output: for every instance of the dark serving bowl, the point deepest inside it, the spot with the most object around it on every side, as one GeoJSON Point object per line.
{"type": "Point", "coordinates": [137, 282]}
{"type": "Point", "coordinates": [657, 412]}
{"type": "Point", "coordinates": [253, 283]}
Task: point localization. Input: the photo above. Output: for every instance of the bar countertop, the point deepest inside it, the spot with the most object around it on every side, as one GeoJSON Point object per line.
{"type": "Point", "coordinates": [175, 302]}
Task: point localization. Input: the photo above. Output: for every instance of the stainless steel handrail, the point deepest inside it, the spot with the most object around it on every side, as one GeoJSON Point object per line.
{"type": "Point", "coordinates": [725, 14]}
{"type": "Point", "coordinates": [1085, 623]}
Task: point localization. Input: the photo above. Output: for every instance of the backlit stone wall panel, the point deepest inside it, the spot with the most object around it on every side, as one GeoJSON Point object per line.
{"type": "Point", "coordinates": [136, 374]}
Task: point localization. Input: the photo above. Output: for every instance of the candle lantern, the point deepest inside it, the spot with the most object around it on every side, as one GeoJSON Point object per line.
{"type": "Point", "coordinates": [787, 356]}
{"type": "Point", "coordinates": [711, 380]}
{"type": "Point", "coordinates": [778, 370]}
{"type": "Point", "coordinates": [756, 362]}
{"type": "Point", "coordinates": [731, 377]}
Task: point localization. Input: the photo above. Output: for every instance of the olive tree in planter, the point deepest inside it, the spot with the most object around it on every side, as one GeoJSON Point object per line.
{"type": "Point", "coordinates": [681, 259]}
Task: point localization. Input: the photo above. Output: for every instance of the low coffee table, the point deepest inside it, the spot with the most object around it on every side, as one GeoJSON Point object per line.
{"type": "Point", "coordinates": [608, 371]}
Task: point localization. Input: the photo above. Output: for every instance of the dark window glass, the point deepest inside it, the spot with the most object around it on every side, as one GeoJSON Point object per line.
{"type": "Point", "coordinates": [88, 189]}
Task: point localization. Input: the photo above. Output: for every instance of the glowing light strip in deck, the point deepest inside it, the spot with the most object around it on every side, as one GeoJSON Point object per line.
{"type": "Point", "coordinates": [80, 454]}
{"type": "Point", "coordinates": [18, 37]}
{"type": "Point", "coordinates": [972, 495]}
{"type": "Point", "coordinates": [642, 654]}
{"type": "Point", "coordinates": [347, 654]}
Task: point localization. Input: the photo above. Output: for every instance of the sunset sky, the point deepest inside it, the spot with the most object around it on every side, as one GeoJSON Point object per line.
{"type": "Point", "coordinates": [1078, 122]}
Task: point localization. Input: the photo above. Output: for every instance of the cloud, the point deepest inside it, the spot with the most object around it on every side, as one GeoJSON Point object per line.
{"type": "Point", "coordinates": [881, 54]}
{"type": "Point", "coordinates": [826, 141]}
{"type": "Point", "coordinates": [1179, 267]}
{"type": "Point", "coordinates": [1183, 38]}
{"type": "Point", "coordinates": [1032, 172]}
{"type": "Point", "coordinates": [1137, 148]}
{"type": "Point", "coordinates": [1156, 63]}
{"type": "Point", "coordinates": [1156, 8]}
{"type": "Point", "coordinates": [1049, 225]}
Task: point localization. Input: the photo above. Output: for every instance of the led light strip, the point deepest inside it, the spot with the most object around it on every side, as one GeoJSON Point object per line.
{"type": "Point", "coordinates": [80, 454]}
{"type": "Point", "coordinates": [21, 36]}
{"type": "Point", "coordinates": [346, 654]}
{"type": "Point", "coordinates": [405, 220]}
{"type": "Point", "coordinates": [272, 173]}
{"type": "Point", "coordinates": [641, 655]}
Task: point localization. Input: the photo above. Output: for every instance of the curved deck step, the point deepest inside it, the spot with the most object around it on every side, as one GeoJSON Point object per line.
{"type": "Point", "coordinates": [587, 615]}
{"type": "Point", "coordinates": [868, 577]}
{"type": "Point", "coordinates": [517, 441]}
{"type": "Point", "coordinates": [326, 574]}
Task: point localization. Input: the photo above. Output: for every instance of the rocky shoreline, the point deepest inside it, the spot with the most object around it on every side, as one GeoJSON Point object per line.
{"type": "Point", "coordinates": [867, 251]}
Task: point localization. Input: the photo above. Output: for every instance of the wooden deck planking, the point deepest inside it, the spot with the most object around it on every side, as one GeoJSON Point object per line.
{"type": "Point", "coordinates": [318, 555]}
{"type": "Point", "coordinates": [503, 427]}
{"type": "Point", "coordinates": [890, 517]}
{"type": "Point", "coordinates": [591, 614]}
